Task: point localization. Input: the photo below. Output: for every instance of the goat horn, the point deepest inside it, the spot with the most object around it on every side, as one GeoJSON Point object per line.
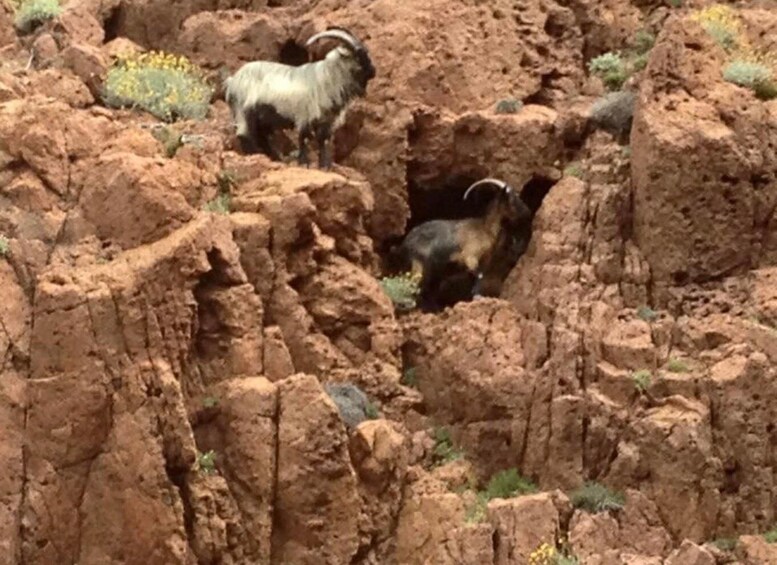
{"type": "Point", "coordinates": [500, 183]}
{"type": "Point", "coordinates": [338, 34]}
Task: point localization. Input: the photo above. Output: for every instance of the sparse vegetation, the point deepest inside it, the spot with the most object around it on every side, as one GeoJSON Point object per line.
{"type": "Point", "coordinates": [170, 139]}
{"type": "Point", "coordinates": [163, 84]}
{"type": "Point", "coordinates": [643, 42]}
{"type": "Point", "coordinates": [5, 246]}
{"type": "Point", "coordinates": [371, 411]}
{"type": "Point", "coordinates": [574, 170]}
{"type": "Point", "coordinates": [220, 205]}
{"type": "Point", "coordinates": [504, 484]}
{"type": "Point", "coordinates": [646, 313]}
{"type": "Point", "coordinates": [29, 14]}
{"type": "Point", "coordinates": [642, 380]}
{"type": "Point", "coordinates": [444, 450]}
{"type": "Point", "coordinates": [593, 497]}
{"type": "Point", "coordinates": [753, 74]}
{"type": "Point", "coordinates": [210, 402]}
{"type": "Point", "coordinates": [675, 3]}
{"type": "Point", "coordinates": [409, 377]}
{"type": "Point", "coordinates": [771, 535]}
{"type": "Point", "coordinates": [722, 24]}
{"type": "Point", "coordinates": [547, 554]}
{"type": "Point", "coordinates": [508, 106]}
{"type": "Point", "coordinates": [402, 289]}
{"type": "Point", "coordinates": [227, 180]}
{"type": "Point", "coordinates": [676, 366]}
{"type": "Point", "coordinates": [611, 68]}
{"type": "Point", "coordinates": [206, 462]}
{"type": "Point", "coordinates": [725, 544]}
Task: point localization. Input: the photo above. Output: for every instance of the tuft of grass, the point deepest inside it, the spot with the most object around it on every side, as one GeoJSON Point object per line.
{"type": "Point", "coordinates": [725, 544]}
{"type": "Point", "coordinates": [611, 68]}
{"type": "Point", "coordinates": [5, 246]}
{"type": "Point", "coordinates": [642, 380]}
{"type": "Point", "coordinates": [29, 14]}
{"type": "Point", "coordinates": [574, 170]}
{"type": "Point", "coordinates": [676, 366]}
{"type": "Point", "coordinates": [593, 497]}
{"type": "Point", "coordinates": [444, 451]}
{"type": "Point", "coordinates": [504, 484]}
{"type": "Point", "coordinates": [753, 74]}
{"type": "Point", "coordinates": [508, 106]}
{"type": "Point", "coordinates": [371, 411]}
{"type": "Point", "coordinates": [771, 535]}
{"type": "Point", "coordinates": [643, 42]}
{"type": "Point", "coordinates": [227, 180]}
{"type": "Point", "coordinates": [171, 140]}
{"type": "Point", "coordinates": [546, 554]}
{"type": "Point", "coordinates": [210, 401]}
{"type": "Point", "coordinates": [206, 462]}
{"type": "Point", "coordinates": [219, 205]}
{"type": "Point", "coordinates": [722, 24]}
{"type": "Point", "coordinates": [409, 378]}
{"type": "Point", "coordinates": [166, 85]}
{"type": "Point", "coordinates": [403, 290]}
{"type": "Point", "coordinates": [646, 313]}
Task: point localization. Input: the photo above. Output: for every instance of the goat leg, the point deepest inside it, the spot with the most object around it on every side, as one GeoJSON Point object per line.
{"type": "Point", "coordinates": [302, 154]}
{"type": "Point", "coordinates": [324, 152]}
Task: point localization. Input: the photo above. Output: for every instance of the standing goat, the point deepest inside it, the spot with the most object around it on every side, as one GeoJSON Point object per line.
{"type": "Point", "coordinates": [265, 96]}
{"type": "Point", "coordinates": [470, 242]}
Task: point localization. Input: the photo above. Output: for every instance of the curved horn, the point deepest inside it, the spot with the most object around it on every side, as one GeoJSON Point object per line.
{"type": "Point", "coordinates": [500, 183]}
{"type": "Point", "coordinates": [336, 34]}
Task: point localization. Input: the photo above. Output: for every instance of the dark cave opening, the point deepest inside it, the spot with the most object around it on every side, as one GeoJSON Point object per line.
{"type": "Point", "coordinates": [445, 201]}
{"type": "Point", "coordinates": [112, 23]}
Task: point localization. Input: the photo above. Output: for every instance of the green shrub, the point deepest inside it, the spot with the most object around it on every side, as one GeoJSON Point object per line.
{"type": "Point", "coordinates": [403, 290]}
{"type": "Point", "coordinates": [676, 366]}
{"type": "Point", "coordinates": [593, 497]}
{"type": "Point", "coordinates": [32, 13]}
{"type": "Point", "coordinates": [611, 68]}
{"type": "Point", "coordinates": [722, 24]}
{"type": "Point", "coordinates": [646, 313]}
{"type": "Point", "coordinates": [574, 170]}
{"type": "Point", "coordinates": [210, 402]}
{"type": "Point", "coordinates": [504, 484]}
{"type": "Point", "coordinates": [371, 411]}
{"type": "Point", "coordinates": [643, 42]}
{"type": "Point", "coordinates": [219, 205]}
{"type": "Point", "coordinates": [206, 462]}
{"type": "Point", "coordinates": [771, 535]}
{"type": "Point", "coordinates": [409, 378]}
{"type": "Point", "coordinates": [754, 75]}
{"type": "Point", "coordinates": [642, 380]}
{"type": "Point", "coordinates": [444, 451]}
{"type": "Point", "coordinates": [165, 85]}
{"type": "Point", "coordinates": [5, 246]}
{"type": "Point", "coordinates": [508, 106]}
{"type": "Point", "coordinates": [725, 544]}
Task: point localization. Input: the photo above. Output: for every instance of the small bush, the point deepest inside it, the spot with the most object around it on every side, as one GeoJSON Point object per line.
{"type": "Point", "coordinates": [219, 205]}
{"type": "Point", "coordinates": [5, 246]}
{"type": "Point", "coordinates": [170, 139]}
{"type": "Point", "coordinates": [676, 366]}
{"type": "Point", "coordinates": [755, 75]}
{"type": "Point", "coordinates": [504, 484]}
{"type": "Point", "coordinates": [593, 497]}
{"type": "Point", "coordinates": [403, 290]}
{"type": "Point", "coordinates": [210, 402]}
{"type": "Point", "coordinates": [771, 535]}
{"type": "Point", "coordinates": [725, 544]}
{"type": "Point", "coordinates": [444, 451]}
{"type": "Point", "coordinates": [642, 380]}
{"type": "Point", "coordinates": [574, 170]}
{"type": "Point", "coordinates": [675, 3]}
{"type": "Point", "coordinates": [206, 462]}
{"type": "Point", "coordinates": [409, 378]}
{"type": "Point", "coordinates": [31, 13]}
{"type": "Point", "coordinates": [611, 68]}
{"type": "Point", "coordinates": [546, 554]}
{"type": "Point", "coordinates": [371, 411]}
{"type": "Point", "coordinates": [722, 24]}
{"type": "Point", "coordinates": [165, 85]}
{"type": "Point", "coordinates": [643, 42]}
{"type": "Point", "coordinates": [646, 313]}
{"type": "Point", "coordinates": [508, 106]}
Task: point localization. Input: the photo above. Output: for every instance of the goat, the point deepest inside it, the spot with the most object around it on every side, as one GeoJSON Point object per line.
{"type": "Point", "coordinates": [264, 96]}
{"type": "Point", "coordinates": [470, 243]}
